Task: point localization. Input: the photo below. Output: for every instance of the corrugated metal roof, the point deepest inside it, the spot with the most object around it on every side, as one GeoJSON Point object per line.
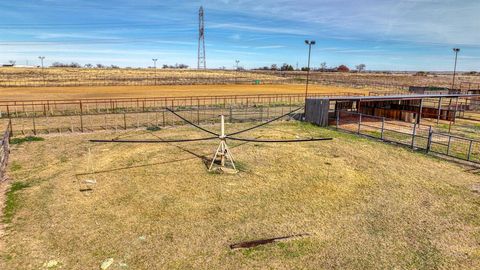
{"type": "Point", "coordinates": [397, 97]}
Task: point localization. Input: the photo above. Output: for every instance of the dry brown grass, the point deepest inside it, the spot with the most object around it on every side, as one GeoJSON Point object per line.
{"type": "Point", "coordinates": [28, 93]}
{"type": "Point", "coordinates": [366, 205]}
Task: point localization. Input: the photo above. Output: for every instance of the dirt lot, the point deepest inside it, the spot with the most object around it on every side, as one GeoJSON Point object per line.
{"type": "Point", "coordinates": [156, 206]}
{"type": "Point", "coordinates": [28, 93]}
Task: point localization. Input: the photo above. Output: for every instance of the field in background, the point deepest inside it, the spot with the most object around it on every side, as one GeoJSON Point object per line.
{"type": "Point", "coordinates": [29, 93]}
{"type": "Point", "coordinates": [61, 77]}
{"type": "Point", "coordinates": [156, 205]}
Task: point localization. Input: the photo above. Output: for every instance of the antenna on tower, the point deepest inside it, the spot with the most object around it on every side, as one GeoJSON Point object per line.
{"type": "Point", "coordinates": [201, 40]}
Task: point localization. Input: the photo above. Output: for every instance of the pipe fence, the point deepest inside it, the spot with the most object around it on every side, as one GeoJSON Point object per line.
{"type": "Point", "coordinates": [49, 108]}
{"type": "Point", "coordinates": [61, 116]}
{"type": "Point", "coordinates": [416, 136]}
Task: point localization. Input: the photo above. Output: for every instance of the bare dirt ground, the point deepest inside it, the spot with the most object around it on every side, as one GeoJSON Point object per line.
{"type": "Point", "coordinates": [28, 93]}
{"type": "Point", "coordinates": [156, 206]}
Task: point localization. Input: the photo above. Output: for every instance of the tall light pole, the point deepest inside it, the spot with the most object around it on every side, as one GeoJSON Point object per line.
{"type": "Point", "coordinates": [155, 72]}
{"type": "Point", "coordinates": [236, 70]}
{"type": "Point", "coordinates": [456, 51]}
{"type": "Point", "coordinates": [309, 43]}
{"type": "Point", "coordinates": [43, 71]}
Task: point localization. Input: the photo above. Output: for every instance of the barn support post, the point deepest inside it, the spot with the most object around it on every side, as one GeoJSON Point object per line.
{"type": "Point", "coordinates": [413, 135]}
{"type": "Point", "coordinates": [359, 123]}
{"type": "Point", "coordinates": [419, 116]}
{"type": "Point", "coordinates": [448, 115]}
{"type": "Point", "coordinates": [439, 109]}
{"type": "Point", "coordinates": [383, 128]}
{"type": "Point", "coordinates": [337, 122]}
{"type": "Point", "coordinates": [456, 109]}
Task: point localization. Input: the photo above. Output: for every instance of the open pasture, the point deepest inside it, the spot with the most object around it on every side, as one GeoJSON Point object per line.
{"type": "Point", "coordinates": [156, 206]}
{"type": "Point", "coordinates": [48, 93]}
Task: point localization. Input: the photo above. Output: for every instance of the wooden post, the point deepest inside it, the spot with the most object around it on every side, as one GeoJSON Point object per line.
{"type": "Point", "coordinates": [430, 137]}
{"type": "Point", "coordinates": [359, 123]}
{"type": "Point", "coordinates": [448, 147]}
{"type": "Point", "coordinates": [469, 150]}
{"type": "Point", "coordinates": [81, 116]}
{"type": "Point", "coordinates": [124, 121]}
{"type": "Point", "coordinates": [338, 119]}
{"type": "Point", "coordinates": [456, 109]}
{"type": "Point", "coordinates": [419, 116]}
{"type": "Point", "coordinates": [413, 135]}
{"type": "Point", "coordinates": [163, 118]}
{"type": "Point", "coordinates": [383, 128]}
{"type": "Point", "coordinates": [10, 119]}
{"type": "Point", "coordinates": [439, 108]}
{"type": "Point", "coordinates": [34, 127]}
{"type": "Point", "coordinates": [198, 111]}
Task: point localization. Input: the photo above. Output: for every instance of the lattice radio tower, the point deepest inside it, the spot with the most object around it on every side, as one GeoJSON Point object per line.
{"type": "Point", "coordinates": [202, 63]}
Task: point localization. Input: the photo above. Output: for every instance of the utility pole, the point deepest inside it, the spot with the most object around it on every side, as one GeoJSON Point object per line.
{"type": "Point", "coordinates": [155, 70]}
{"type": "Point", "coordinates": [236, 70]}
{"type": "Point", "coordinates": [309, 43]}
{"type": "Point", "coordinates": [43, 71]}
{"type": "Point", "coordinates": [456, 51]}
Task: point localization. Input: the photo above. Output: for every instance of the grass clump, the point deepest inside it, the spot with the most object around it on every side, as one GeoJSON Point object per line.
{"type": "Point", "coordinates": [12, 201]}
{"type": "Point", "coordinates": [26, 139]}
{"type": "Point", "coordinates": [153, 128]}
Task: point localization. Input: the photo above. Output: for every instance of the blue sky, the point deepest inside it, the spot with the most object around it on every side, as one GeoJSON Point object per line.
{"type": "Point", "coordinates": [383, 34]}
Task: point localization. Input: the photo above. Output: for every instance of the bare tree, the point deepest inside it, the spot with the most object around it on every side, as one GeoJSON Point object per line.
{"type": "Point", "coordinates": [323, 66]}
{"type": "Point", "coordinates": [361, 67]}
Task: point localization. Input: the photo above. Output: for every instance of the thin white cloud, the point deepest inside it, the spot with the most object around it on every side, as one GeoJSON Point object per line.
{"type": "Point", "coordinates": [271, 47]}
{"type": "Point", "coordinates": [261, 29]}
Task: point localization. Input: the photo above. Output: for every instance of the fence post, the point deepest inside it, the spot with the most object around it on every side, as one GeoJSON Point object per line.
{"type": "Point", "coordinates": [448, 147]}
{"type": "Point", "coordinates": [469, 150]}
{"type": "Point", "coordinates": [198, 111]}
{"type": "Point", "coordinates": [413, 135]}
{"type": "Point", "coordinates": [124, 121]}
{"type": "Point", "coordinates": [430, 137]}
{"type": "Point", "coordinates": [10, 119]}
{"type": "Point", "coordinates": [34, 126]}
{"type": "Point", "coordinates": [81, 116]}
{"type": "Point", "coordinates": [338, 119]}
{"type": "Point", "coordinates": [383, 127]}
{"type": "Point", "coordinates": [10, 131]}
{"type": "Point", "coordinates": [359, 123]}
